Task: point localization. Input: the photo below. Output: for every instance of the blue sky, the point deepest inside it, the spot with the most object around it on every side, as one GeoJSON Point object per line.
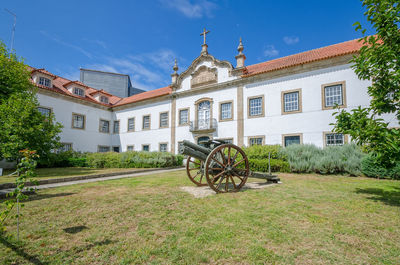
{"type": "Point", "coordinates": [142, 38]}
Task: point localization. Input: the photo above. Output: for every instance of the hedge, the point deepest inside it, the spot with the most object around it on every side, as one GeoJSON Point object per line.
{"type": "Point", "coordinates": [133, 160]}
{"type": "Point", "coordinates": [261, 165]}
{"type": "Point", "coordinates": [371, 167]}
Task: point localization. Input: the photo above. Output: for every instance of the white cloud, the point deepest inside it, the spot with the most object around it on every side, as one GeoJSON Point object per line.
{"type": "Point", "coordinates": [289, 40]}
{"type": "Point", "coordinates": [192, 9]}
{"type": "Point", "coordinates": [59, 41]}
{"type": "Point", "coordinates": [270, 51]}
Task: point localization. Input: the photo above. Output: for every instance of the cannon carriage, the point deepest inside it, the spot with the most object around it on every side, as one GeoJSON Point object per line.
{"type": "Point", "coordinates": [223, 166]}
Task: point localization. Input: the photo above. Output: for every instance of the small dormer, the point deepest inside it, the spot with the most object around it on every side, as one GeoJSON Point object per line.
{"type": "Point", "coordinates": [42, 77]}
{"type": "Point", "coordinates": [77, 88]}
{"type": "Point", "coordinates": [101, 96]}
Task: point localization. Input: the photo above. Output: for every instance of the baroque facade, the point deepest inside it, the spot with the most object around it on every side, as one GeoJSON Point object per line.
{"type": "Point", "coordinates": [283, 101]}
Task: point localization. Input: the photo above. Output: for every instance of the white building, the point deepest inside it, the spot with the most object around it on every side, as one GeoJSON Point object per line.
{"type": "Point", "coordinates": [282, 101]}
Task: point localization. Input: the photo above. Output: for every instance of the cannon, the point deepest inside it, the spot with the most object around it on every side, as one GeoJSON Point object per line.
{"type": "Point", "coordinates": [222, 166]}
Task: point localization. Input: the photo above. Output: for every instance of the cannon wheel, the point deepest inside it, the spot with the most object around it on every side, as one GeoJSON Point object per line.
{"type": "Point", "coordinates": [195, 171]}
{"type": "Point", "coordinates": [227, 168]}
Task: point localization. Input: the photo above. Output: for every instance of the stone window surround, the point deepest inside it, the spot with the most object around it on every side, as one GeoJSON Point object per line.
{"type": "Point", "coordinates": [64, 143]}
{"type": "Point", "coordinates": [84, 121]}
{"type": "Point", "coordinates": [292, 134]}
{"type": "Point", "coordinates": [179, 117]}
{"type": "Point", "coordinates": [127, 124]}
{"type": "Point", "coordinates": [225, 139]}
{"type": "Point", "coordinates": [109, 123]}
{"type": "Point", "coordinates": [262, 107]}
{"type": "Point", "coordinates": [220, 110]}
{"type": "Point", "coordinates": [344, 105]}
{"type": "Point", "coordinates": [159, 115]}
{"type": "Point", "coordinates": [300, 101]}
{"type": "Point", "coordinates": [196, 104]}
{"type": "Point", "coordinates": [145, 129]}
{"type": "Point", "coordinates": [49, 108]}
{"type": "Point", "coordinates": [130, 145]}
{"type": "Point", "coordinates": [147, 145]}
{"type": "Point", "coordinates": [99, 146]}
{"type": "Point", "coordinates": [159, 146]}
{"type": "Point", "coordinates": [254, 137]}
{"type": "Point", "coordinates": [119, 126]}
{"type": "Point", "coordinates": [345, 137]}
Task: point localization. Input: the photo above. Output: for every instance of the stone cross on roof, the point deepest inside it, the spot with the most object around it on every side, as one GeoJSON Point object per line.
{"type": "Point", "coordinates": [204, 34]}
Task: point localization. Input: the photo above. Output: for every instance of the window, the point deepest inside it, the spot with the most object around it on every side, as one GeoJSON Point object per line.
{"type": "Point", "coordinates": [146, 122]}
{"type": "Point", "coordinates": [291, 139]}
{"type": "Point", "coordinates": [44, 81]}
{"type": "Point", "coordinates": [227, 140]}
{"type": "Point", "coordinates": [116, 149]}
{"type": "Point", "coordinates": [146, 147]}
{"type": "Point", "coordinates": [103, 149]}
{"type": "Point", "coordinates": [225, 110]}
{"type": "Point", "coordinates": [256, 140]}
{"type": "Point", "coordinates": [333, 94]}
{"type": "Point", "coordinates": [256, 106]}
{"type": "Point", "coordinates": [104, 99]}
{"type": "Point", "coordinates": [79, 91]}
{"type": "Point", "coordinates": [65, 147]}
{"type": "Point", "coordinates": [163, 147]}
{"type": "Point", "coordinates": [116, 127]}
{"type": "Point", "coordinates": [44, 111]}
{"type": "Point", "coordinates": [183, 116]}
{"type": "Point", "coordinates": [131, 124]}
{"type": "Point", "coordinates": [104, 126]}
{"type": "Point", "coordinates": [332, 139]}
{"type": "Point", "coordinates": [130, 148]}
{"type": "Point", "coordinates": [163, 119]}
{"type": "Point", "coordinates": [78, 121]}
{"type": "Point", "coordinates": [291, 101]}
{"type": "Point", "coordinates": [180, 146]}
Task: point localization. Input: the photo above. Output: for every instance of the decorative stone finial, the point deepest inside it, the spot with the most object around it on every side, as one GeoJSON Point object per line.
{"type": "Point", "coordinates": [240, 47]}
{"type": "Point", "coordinates": [175, 68]}
{"type": "Point", "coordinates": [175, 75]}
{"type": "Point", "coordinates": [240, 57]}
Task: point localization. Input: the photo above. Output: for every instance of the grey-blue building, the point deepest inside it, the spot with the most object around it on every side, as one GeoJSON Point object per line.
{"type": "Point", "coordinates": [117, 84]}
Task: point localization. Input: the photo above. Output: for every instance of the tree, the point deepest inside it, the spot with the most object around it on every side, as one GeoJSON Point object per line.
{"type": "Point", "coordinates": [378, 61]}
{"type": "Point", "coordinates": [13, 74]}
{"type": "Point", "coordinates": [22, 126]}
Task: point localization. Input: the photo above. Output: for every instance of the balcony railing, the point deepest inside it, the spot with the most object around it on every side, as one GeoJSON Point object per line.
{"type": "Point", "coordinates": [203, 126]}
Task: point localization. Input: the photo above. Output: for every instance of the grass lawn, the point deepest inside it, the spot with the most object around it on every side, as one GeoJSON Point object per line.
{"type": "Point", "coordinates": [49, 173]}
{"type": "Point", "coordinates": [309, 219]}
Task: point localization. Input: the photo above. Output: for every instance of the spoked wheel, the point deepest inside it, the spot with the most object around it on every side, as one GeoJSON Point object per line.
{"type": "Point", "coordinates": [194, 170]}
{"type": "Point", "coordinates": [227, 168]}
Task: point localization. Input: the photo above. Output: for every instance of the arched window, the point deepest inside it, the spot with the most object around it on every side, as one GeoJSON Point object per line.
{"type": "Point", "coordinates": [204, 114]}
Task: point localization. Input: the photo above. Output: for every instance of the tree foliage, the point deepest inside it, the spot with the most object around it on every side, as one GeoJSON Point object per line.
{"type": "Point", "coordinates": [22, 126]}
{"type": "Point", "coordinates": [379, 62]}
{"type": "Point", "coordinates": [13, 74]}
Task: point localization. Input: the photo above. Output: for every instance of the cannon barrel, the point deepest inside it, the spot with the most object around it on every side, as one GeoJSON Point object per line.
{"type": "Point", "coordinates": [196, 147]}
{"type": "Point", "coordinates": [186, 150]}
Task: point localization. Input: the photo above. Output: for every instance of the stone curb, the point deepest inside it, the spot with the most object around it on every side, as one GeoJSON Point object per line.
{"type": "Point", "coordinates": [59, 180]}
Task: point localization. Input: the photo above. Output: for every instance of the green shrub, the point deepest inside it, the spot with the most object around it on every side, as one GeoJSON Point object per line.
{"type": "Point", "coordinates": [261, 152]}
{"type": "Point", "coordinates": [261, 165]}
{"type": "Point", "coordinates": [63, 159]}
{"type": "Point", "coordinates": [308, 158]}
{"type": "Point", "coordinates": [372, 167]}
{"type": "Point", "coordinates": [133, 160]}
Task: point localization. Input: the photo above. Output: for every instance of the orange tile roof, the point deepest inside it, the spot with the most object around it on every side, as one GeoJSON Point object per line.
{"type": "Point", "coordinates": [323, 53]}
{"type": "Point", "coordinates": [43, 71]}
{"type": "Point", "coordinates": [146, 95]}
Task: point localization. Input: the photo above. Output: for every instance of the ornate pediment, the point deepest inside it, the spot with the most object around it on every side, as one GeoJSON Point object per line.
{"type": "Point", "coordinates": [203, 76]}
